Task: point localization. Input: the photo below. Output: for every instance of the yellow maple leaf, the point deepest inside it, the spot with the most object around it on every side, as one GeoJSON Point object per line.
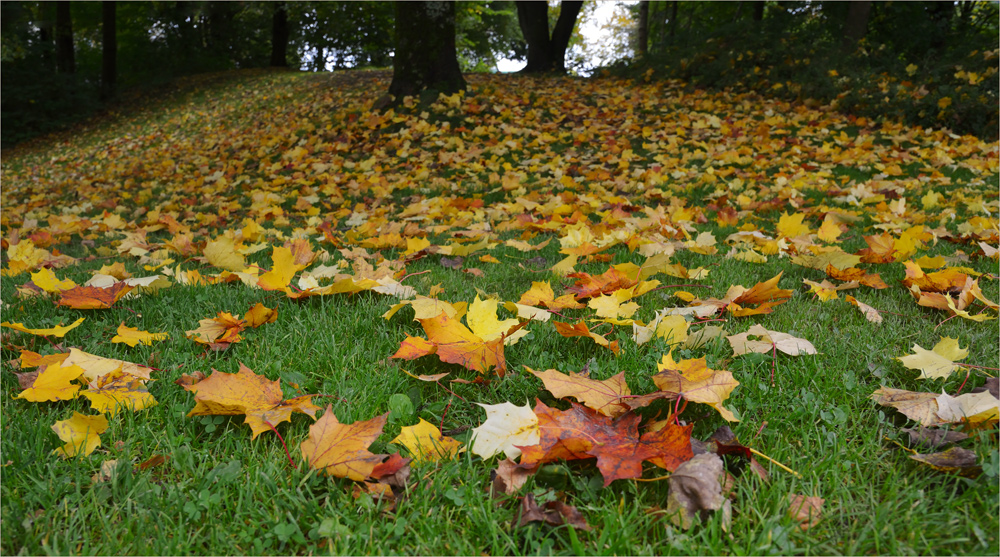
{"type": "Point", "coordinates": [790, 226]}
{"type": "Point", "coordinates": [426, 444]}
{"type": "Point", "coordinates": [482, 320]}
{"type": "Point", "coordinates": [222, 252]}
{"type": "Point", "coordinates": [696, 382]}
{"type": "Point", "coordinates": [283, 268]}
{"type": "Point", "coordinates": [615, 305]}
{"type": "Point", "coordinates": [132, 336]}
{"type": "Point", "coordinates": [53, 382]}
{"type": "Point", "coordinates": [938, 362]}
{"type": "Point", "coordinates": [47, 281]}
{"type": "Point", "coordinates": [341, 450]}
{"type": "Point", "coordinates": [116, 391]}
{"type": "Point", "coordinates": [81, 434]}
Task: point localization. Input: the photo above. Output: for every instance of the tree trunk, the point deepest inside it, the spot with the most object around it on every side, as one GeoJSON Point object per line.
{"type": "Point", "coordinates": [758, 10]}
{"type": "Point", "coordinates": [642, 36]}
{"type": "Point", "coordinates": [109, 50]}
{"type": "Point", "coordinates": [857, 23]}
{"type": "Point", "coordinates": [533, 18]}
{"type": "Point", "coordinates": [545, 53]}
{"type": "Point", "coordinates": [65, 59]}
{"type": "Point", "coordinates": [425, 56]}
{"type": "Point", "coordinates": [279, 35]}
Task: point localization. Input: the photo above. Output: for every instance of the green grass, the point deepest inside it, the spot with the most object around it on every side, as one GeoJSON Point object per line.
{"type": "Point", "coordinates": [221, 493]}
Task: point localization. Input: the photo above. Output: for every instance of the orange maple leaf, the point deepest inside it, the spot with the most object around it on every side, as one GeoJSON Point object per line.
{"type": "Point", "coordinates": [342, 450]}
{"type": "Point", "coordinates": [582, 330]}
{"type": "Point", "coordinates": [222, 330]}
{"type": "Point", "coordinates": [91, 297]}
{"type": "Point", "coordinates": [245, 392]}
{"type": "Point", "coordinates": [854, 274]}
{"type": "Point", "coordinates": [587, 286]}
{"type": "Point", "coordinates": [454, 343]}
{"type": "Point", "coordinates": [580, 433]}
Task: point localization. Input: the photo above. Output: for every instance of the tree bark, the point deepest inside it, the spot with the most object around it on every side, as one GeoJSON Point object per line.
{"type": "Point", "coordinates": [65, 59]}
{"type": "Point", "coordinates": [758, 10]}
{"type": "Point", "coordinates": [642, 36]}
{"type": "Point", "coordinates": [857, 23]}
{"type": "Point", "coordinates": [425, 56]}
{"type": "Point", "coordinates": [279, 35]}
{"type": "Point", "coordinates": [673, 21]}
{"type": "Point", "coordinates": [109, 50]}
{"type": "Point", "coordinates": [545, 53]}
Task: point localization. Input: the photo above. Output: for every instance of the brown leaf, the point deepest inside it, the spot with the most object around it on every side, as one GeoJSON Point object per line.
{"type": "Point", "coordinates": [920, 407]}
{"type": "Point", "coordinates": [555, 513]}
{"type": "Point", "coordinates": [186, 380]}
{"type": "Point", "coordinates": [695, 489]}
{"type": "Point", "coordinates": [508, 478]}
{"type": "Point", "coordinates": [933, 438]}
{"type": "Point", "coordinates": [604, 396]}
{"type": "Point", "coordinates": [955, 460]}
{"type": "Point", "coordinates": [806, 510]}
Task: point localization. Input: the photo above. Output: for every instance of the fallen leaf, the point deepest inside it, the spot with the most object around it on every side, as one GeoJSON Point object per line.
{"type": "Point", "coordinates": [245, 392]}
{"type": "Point", "coordinates": [955, 460]}
{"type": "Point", "coordinates": [260, 315]}
{"type": "Point", "coordinates": [870, 313]}
{"type": "Point", "coordinates": [933, 438]}
{"type": "Point", "coordinates": [132, 336]}
{"type": "Point", "coordinates": [506, 427]}
{"type": "Point", "coordinates": [57, 331]}
{"type": "Point", "coordinates": [768, 341]}
{"type": "Point", "coordinates": [81, 434]}
{"type": "Point", "coordinates": [53, 382]}
{"type": "Point", "coordinates": [342, 450]}
{"type": "Point", "coordinates": [582, 330]}
{"type": "Point", "coordinates": [554, 513]}
{"type": "Point", "coordinates": [96, 366]}
{"type": "Point", "coordinates": [115, 391]}
{"type": "Point", "coordinates": [695, 489]}
{"type": "Point", "coordinates": [920, 407]}
{"type": "Point", "coordinates": [426, 444]}
{"type": "Point", "coordinates": [508, 478]}
{"type": "Point", "coordinates": [805, 510]}
{"type": "Point", "coordinates": [696, 382]}
{"type": "Point", "coordinates": [606, 397]}
{"type": "Point", "coordinates": [91, 297]}
{"type": "Point", "coordinates": [938, 362]}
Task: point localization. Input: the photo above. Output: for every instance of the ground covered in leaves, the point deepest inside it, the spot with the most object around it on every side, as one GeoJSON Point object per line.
{"type": "Point", "coordinates": [546, 315]}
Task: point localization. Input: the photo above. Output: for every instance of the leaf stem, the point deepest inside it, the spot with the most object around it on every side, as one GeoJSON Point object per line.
{"type": "Point", "coordinates": [282, 439]}
{"type": "Point", "coordinates": [775, 462]}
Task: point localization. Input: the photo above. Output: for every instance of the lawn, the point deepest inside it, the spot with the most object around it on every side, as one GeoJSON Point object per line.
{"type": "Point", "coordinates": [639, 204]}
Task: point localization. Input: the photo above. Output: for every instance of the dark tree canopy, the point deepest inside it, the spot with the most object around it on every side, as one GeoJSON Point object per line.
{"type": "Point", "coordinates": [425, 49]}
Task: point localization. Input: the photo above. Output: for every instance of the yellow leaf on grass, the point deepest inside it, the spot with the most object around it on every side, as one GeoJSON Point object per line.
{"type": "Point", "coordinates": [696, 382]}
{"type": "Point", "coordinates": [790, 226]}
{"type": "Point", "coordinates": [283, 268]}
{"type": "Point", "coordinates": [81, 434]}
{"type": "Point", "coordinates": [96, 366]}
{"type": "Point", "coordinates": [53, 382]}
{"type": "Point", "coordinates": [426, 444]}
{"type": "Point", "coordinates": [132, 336]}
{"type": "Point", "coordinates": [117, 391]}
{"type": "Point", "coordinates": [47, 281]}
{"type": "Point", "coordinates": [57, 331]}
{"type": "Point", "coordinates": [937, 362]}
{"type": "Point", "coordinates": [482, 320]}
{"type": "Point", "coordinates": [341, 450]}
{"type": "Point", "coordinates": [221, 252]}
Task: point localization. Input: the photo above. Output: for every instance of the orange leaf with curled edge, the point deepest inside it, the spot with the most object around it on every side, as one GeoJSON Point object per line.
{"type": "Point", "coordinates": [588, 286]}
{"type": "Point", "coordinates": [91, 297]}
{"type": "Point", "coordinates": [245, 392]}
{"type": "Point", "coordinates": [603, 396]}
{"type": "Point", "coordinates": [853, 274]}
{"type": "Point", "coordinates": [341, 450]}
{"type": "Point", "coordinates": [541, 293]}
{"type": "Point", "coordinates": [881, 249]}
{"type": "Point", "coordinates": [763, 294]}
{"type": "Point", "coordinates": [260, 315]}
{"type": "Point", "coordinates": [580, 433]}
{"type": "Point", "coordinates": [222, 329]}
{"type": "Point", "coordinates": [946, 280]}
{"type": "Point", "coordinates": [582, 330]}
